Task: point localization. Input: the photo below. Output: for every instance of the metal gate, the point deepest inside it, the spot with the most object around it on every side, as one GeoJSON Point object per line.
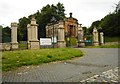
{"type": "Point", "coordinates": [88, 40]}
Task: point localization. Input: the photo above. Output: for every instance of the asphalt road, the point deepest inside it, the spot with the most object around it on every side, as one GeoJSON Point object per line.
{"type": "Point", "coordinates": [95, 61]}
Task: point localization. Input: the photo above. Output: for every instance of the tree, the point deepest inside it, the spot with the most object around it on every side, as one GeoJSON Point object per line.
{"type": "Point", "coordinates": [117, 7]}
{"type": "Point", "coordinates": [46, 15]}
{"type": "Point", "coordinates": [60, 11]}
{"type": "Point", "coordinates": [110, 24]}
{"type": "Point", "coordinates": [1, 27]}
{"type": "Point", "coordinates": [85, 30]}
{"type": "Point", "coordinates": [43, 17]}
{"type": "Point", "coordinates": [22, 29]}
{"type": "Point", "coordinates": [6, 34]}
{"type": "Point", "coordinates": [94, 24]}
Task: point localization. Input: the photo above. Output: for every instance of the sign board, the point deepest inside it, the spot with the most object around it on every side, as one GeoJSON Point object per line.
{"type": "Point", "coordinates": [88, 41]}
{"type": "Point", "coordinates": [54, 39]}
{"type": "Point", "coordinates": [45, 41]}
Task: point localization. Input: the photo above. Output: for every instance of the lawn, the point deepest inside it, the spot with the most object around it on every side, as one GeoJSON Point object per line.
{"type": "Point", "coordinates": [112, 39]}
{"type": "Point", "coordinates": [110, 42]}
{"type": "Point", "coordinates": [105, 46]}
{"type": "Point", "coordinates": [13, 59]}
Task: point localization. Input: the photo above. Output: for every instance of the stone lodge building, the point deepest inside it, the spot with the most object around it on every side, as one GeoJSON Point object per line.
{"type": "Point", "coordinates": [69, 24]}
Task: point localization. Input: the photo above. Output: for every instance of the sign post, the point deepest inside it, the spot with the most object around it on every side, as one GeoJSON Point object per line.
{"type": "Point", "coordinates": [45, 41]}
{"type": "Point", "coordinates": [54, 39]}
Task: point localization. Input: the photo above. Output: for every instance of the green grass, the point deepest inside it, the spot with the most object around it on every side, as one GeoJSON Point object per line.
{"type": "Point", "coordinates": [104, 46]}
{"type": "Point", "coordinates": [22, 45]}
{"type": "Point", "coordinates": [112, 39]}
{"type": "Point", "coordinates": [73, 41]}
{"type": "Point", "coordinates": [13, 59]}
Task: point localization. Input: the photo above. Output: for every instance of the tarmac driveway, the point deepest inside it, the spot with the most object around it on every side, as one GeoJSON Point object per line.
{"type": "Point", "coordinates": [94, 61]}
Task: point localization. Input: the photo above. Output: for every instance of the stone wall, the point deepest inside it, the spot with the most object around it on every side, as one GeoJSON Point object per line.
{"type": "Point", "coordinates": [5, 46]}
{"type": "Point", "coordinates": [111, 43]}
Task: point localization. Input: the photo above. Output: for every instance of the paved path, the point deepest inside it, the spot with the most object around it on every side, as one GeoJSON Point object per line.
{"type": "Point", "coordinates": [95, 61]}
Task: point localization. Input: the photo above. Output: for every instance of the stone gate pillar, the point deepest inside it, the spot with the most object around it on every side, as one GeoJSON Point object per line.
{"type": "Point", "coordinates": [61, 35]}
{"type": "Point", "coordinates": [34, 42]}
{"type": "Point", "coordinates": [95, 37]}
{"type": "Point", "coordinates": [81, 42]}
{"type": "Point", "coordinates": [28, 35]}
{"type": "Point", "coordinates": [14, 43]}
{"type": "Point", "coordinates": [101, 38]}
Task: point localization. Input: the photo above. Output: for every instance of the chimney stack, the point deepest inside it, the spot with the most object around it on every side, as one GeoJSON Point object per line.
{"type": "Point", "coordinates": [70, 15]}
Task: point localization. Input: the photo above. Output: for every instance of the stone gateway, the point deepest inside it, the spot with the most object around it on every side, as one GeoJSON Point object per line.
{"type": "Point", "coordinates": [59, 33]}
{"type": "Point", "coordinates": [33, 42]}
{"type": "Point", "coordinates": [14, 43]}
{"type": "Point", "coordinates": [64, 29]}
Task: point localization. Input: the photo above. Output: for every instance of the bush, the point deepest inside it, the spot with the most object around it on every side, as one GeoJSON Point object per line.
{"type": "Point", "coordinates": [73, 41]}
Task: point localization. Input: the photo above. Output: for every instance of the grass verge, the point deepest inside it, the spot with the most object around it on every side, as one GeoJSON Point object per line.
{"type": "Point", "coordinates": [13, 59]}
{"type": "Point", "coordinates": [112, 39]}
{"type": "Point", "coordinates": [105, 46]}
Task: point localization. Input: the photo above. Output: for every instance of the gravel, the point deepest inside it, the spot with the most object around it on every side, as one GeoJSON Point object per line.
{"type": "Point", "coordinates": [107, 76]}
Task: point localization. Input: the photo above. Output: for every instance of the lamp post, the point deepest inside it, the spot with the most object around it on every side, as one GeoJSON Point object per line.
{"type": "Point", "coordinates": [53, 20]}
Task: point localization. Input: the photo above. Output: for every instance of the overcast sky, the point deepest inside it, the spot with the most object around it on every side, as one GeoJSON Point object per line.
{"type": "Point", "coordinates": [86, 11]}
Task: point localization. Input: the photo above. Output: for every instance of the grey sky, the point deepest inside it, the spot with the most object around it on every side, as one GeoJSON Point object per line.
{"type": "Point", "coordinates": [86, 11]}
